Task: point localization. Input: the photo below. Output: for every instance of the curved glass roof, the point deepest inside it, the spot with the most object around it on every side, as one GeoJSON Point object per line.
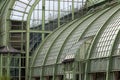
{"type": "Point", "coordinates": [102, 26]}
{"type": "Point", "coordinates": [51, 10]}
{"type": "Point", "coordinates": [21, 9]}
{"type": "Point", "coordinates": [93, 2]}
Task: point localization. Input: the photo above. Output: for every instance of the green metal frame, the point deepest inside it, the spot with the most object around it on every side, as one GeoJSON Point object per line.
{"type": "Point", "coordinates": [28, 37]}
{"type": "Point", "coordinates": [51, 47]}
{"type": "Point", "coordinates": [72, 9]}
{"type": "Point", "coordinates": [86, 29]}
{"type": "Point", "coordinates": [43, 18]}
{"type": "Point", "coordinates": [3, 6]}
{"type": "Point", "coordinates": [1, 65]}
{"type": "Point", "coordinates": [83, 34]}
{"type": "Point", "coordinates": [55, 67]}
{"type": "Point", "coordinates": [58, 13]}
{"type": "Point", "coordinates": [6, 39]}
{"type": "Point", "coordinates": [7, 22]}
{"type": "Point", "coordinates": [28, 31]}
{"type": "Point", "coordinates": [91, 47]}
{"type": "Point", "coordinates": [110, 57]}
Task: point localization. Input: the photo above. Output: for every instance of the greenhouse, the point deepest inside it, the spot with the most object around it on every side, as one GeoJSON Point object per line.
{"type": "Point", "coordinates": [59, 40]}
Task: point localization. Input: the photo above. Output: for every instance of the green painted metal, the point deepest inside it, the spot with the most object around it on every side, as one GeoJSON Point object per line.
{"type": "Point", "coordinates": [8, 4]}
{"type": "Point", "coordinates": [18, 11]}
{"type": "Point", "coordinates": [19, 68]}
{"type": "Point", "coordinates": [28, 31]}
{"type": "Point", "coordinates": [37, 51]}
{"type": "Point", "coordinates": [91, 47]}
{"type": "Point", "coordinates": [28, 37]}
{"type": "Point", "coordinates": [91, 23]}
{"type": "Point", "coordinates": [3, 5]}
{"type": "Point", "coordinates": [26, 3]}
{"type": "Point", "coordinates": [110, 57]}
{"type": "Point", "coordinates": [8, 64]}
{"type": "Point", "coordinates": [56, 31]}
{"type": "Point", "coordinates": [83, 35]}
{"type": "Point", "coordinates": [55, 67]}
{"type": "Point", "coordinates": [34, 31]}
{"type": "Point", "coordinates": [66, 41]}
{"type": "Point", "coordinates": [58, 13]}
{"type": "Point", "coordinates": [83, 28]}
{"type": "Point", "coordinates": [73, 10]}
{"type": "Point", "coordinates": [40, 45]}
{"type": "Point", "coordinates": [43, 18]}
{"type": "Point", "coordinates": [31, 31]}
{"type": "Point", "coordinates": [88, 28]}
{"type": "Point", "coordinates": [40, 31]}
{"type": "Point", "coordinates": [93, 2]}
{"type": "Point", "coordinates": [27, 53]}
{"type": "Point", "coordinates": [16, 31]}
{"type": "Point", "coordinates": [51, 47]}
{"type": "Point", "coordinates": [1, 65]}
{"type": "Point", "coordinates": [7, 22]}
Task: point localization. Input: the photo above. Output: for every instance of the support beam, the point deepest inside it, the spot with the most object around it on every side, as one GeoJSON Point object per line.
{"type": "Point", "coordinates": [18, 11]}
{"type": "Point", "coordinates": [55, 67]}
{"type": "Point", "coordinates": [28, 36]}
{"type": "Point", "coordinates": [43, 18]}
{"type": "Point", "coordinates": [40, 31]}
{"type": "Point", "coordinates": [47, 53]}
{"type": "Point", "coordinates": [58, 13]}
{"type": "Point", "coordinates": [1, 65]}
{"type": "Point", "coordinates": [92, 46]}
{"type": "Point", "coordinates": [109, 67]}
{"type": "Point", "coordinates": [27, 56]}
{"type": "Point", "coordinates": [8, 64]}
{"type": "Point", "coordinates": [7, 22]}
{"type": "Point", "coordinates": [73, 10]}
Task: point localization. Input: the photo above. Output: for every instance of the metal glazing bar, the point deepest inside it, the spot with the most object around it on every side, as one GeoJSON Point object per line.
{"type": "Point", "coordinates": [27, 43]}
{"type": "Point", "coordinates": [19, 11]}
{"type": "Point", "coordinates": [40, 31]}
{"type": "Point", "coordinates": [16, 31]}
{"type": "Point", "coordinates": [25, 3]}
{"type": "Point", "coordinates": [55, 67]}
{"type": "Point", "coordinates": [28, 37]}
{"type": "Point", "coordinates": [46, 56]}
{"type": "Point", "coordinates": [40, 45]}
{"type": "Point", "coordinates": [7, 22]}
{"type": "Point", "coordinates": [1, 65]}
{"type": "Point", "coordinates": [72, 9]}
{"type": "Point", "coordinates": [58, 13]}
{"type": "Point", "coordinates": [92, 45]}
{"type": "Point", "coordinates": [43, 18]}
{"type": "Point", "coordinates": [8, 65]}
{"type": "Point", "coordinates": [19, 67]}
{"type": "Point", "coordinates": [109, 67]}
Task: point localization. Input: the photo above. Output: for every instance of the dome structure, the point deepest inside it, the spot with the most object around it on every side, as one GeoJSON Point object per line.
{"type": "Point", "coordinates": [82, 49]}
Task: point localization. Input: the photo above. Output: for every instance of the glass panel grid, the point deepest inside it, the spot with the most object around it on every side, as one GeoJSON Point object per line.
{"type": "Point", "coordinates": [46, 47]}
{"type": "Point", "coordinates": [77, 33]}
{"type": "Point", "coordinates": [93, 29]}
{"type": "Point", "coordinates": [21, 7]}
{"type": "Point", "coordinates": [58, 44]}
{"type": "Point", "coordinates": [105, 41]}
{"type": "Point", "coordinates": [51, 12]}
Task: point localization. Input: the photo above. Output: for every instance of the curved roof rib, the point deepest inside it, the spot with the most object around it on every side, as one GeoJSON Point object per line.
{"type": "Point", "coordinates": [102, 26]}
